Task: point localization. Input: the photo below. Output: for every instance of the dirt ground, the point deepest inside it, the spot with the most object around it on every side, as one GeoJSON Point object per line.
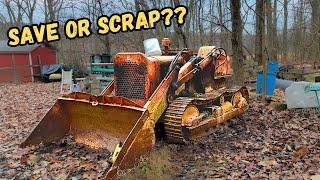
{"type": "Point", "coordinates": [263, 143]}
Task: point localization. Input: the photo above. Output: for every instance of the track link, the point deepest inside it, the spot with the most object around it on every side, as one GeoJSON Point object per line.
{"type": "Point", "coordinates": [173, 119]}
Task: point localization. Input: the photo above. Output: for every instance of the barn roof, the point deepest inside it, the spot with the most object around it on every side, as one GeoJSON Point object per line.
{"type": "Point", "coordinates": [4, 48]}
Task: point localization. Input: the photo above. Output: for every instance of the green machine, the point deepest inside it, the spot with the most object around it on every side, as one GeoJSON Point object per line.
{"type": "Point", "coordinates": [314, 88]}
{"type": "Point", "coordinates": [102, 70]}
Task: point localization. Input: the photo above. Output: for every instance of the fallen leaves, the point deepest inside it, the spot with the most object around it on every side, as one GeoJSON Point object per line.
{"type": "Point", "coordinates": [21, 108]}
{"type": "Point", "coordinates": [300, 153]}
{"type": "Point", "coordinates": [264, 143]}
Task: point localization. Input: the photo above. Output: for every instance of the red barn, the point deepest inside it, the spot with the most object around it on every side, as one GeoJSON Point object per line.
{"type": "Point", "coordinates": [22, 63]}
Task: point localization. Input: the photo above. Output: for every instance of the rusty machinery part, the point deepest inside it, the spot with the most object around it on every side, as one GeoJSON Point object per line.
{"type": "Point", "coordinates": [173, 119]}
{"type": "Point", "coordinates": [166, 43]}
{"type": "Point", "coordinates": [222, 64]}
{"type": "Point", "coordinates": [188, 118]}
{"type": "Point", "coordinates": [195, 66]}
{"type": "Point", "coordinates": [199, 64]}
{"type": "Point", "coordinates": [175, 61]}
{"type": "Point", "coordinates": [207, 51]}
{"type": "Point", "coordinates": [221, 99]}
{"type": "Point", "coordinates": [174, 66]}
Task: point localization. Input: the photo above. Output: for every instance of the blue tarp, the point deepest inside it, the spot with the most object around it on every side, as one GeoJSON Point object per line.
{"type": "Point", "coordinates": [50, 69]}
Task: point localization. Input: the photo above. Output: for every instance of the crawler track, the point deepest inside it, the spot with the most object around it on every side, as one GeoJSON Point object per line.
{"type": "Point", "coordinates": [175, 110]}
{"type": "Point", "coordinates": [173, 119]}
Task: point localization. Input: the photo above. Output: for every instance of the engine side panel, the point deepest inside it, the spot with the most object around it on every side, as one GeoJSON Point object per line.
{"type": "Point", "coordinates": [136, 77]}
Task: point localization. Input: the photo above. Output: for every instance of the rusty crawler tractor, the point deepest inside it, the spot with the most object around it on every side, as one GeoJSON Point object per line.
{"type": "Point", "coordinates": [188, 90]}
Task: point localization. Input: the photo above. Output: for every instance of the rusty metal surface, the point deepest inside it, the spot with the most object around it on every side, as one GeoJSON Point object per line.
{"type": "Point", "coordinates": [135, 72]}
{"type": "Point", "coordinates": [223, 66]}
{"type": "Point", "coordinates": [199, 130]}
{"type": "Point", "coordinates": [112, 100]}
{"type": "Point", "coordinates": [54, 126]}
{"type": "Point", "coordinates": [173, 119]}
{"type": "Point", "coordinates": [131, 80]}
{"type": "Point", "coordinates": [97, 126]}
{"type": "Point", "coordinates": [137, 76]}
{"type": "Point", "coordinates": [179, 132]}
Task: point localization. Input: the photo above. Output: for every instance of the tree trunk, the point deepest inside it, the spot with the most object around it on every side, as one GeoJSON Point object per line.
{"type": "Point", "coordinates": [260, 31]}
{"type": "Point", "coordinates": [314, 30]}
{"type": "Point", "coordinates": [212, 25]}
{"type": "Point", "coordinates": [107, 43]}
{"type": "Point", "coordinates": [236, 39]}
{"type": "Point", "coordinates": [182, 38]}
{"type": "Point", "coordinates": [223, 38]}
{"type": "Point", "coordinates": [140, 38]}
{"type": "Point", "coordinates": [270, 33]}
{"type": "Point", "coordinates": [285, 32]}
{"type": "Point", "coordinates": [188, 19]}
{"type": "Point", "coordinates": [275, 34]}
{"type": "Point", "coordinates": [200, 22]}
{"type": "Point", "coordinates": [318, 62]}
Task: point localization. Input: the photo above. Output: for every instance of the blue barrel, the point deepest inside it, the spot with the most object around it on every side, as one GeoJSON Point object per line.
{"type": "Point", "coordinates": [270, 83]}
{"type": "Point", "coordinates": [272, 70]}
{"type": "Point", "coordinates": [273, 67]}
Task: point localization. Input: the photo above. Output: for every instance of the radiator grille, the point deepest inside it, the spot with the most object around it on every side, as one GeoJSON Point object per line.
{"type": "Point", "coordinates": [130, 80]}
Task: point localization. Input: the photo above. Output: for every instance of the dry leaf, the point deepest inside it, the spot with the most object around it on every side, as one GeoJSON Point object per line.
{"type": "Point", "coordinates": [300, 153]}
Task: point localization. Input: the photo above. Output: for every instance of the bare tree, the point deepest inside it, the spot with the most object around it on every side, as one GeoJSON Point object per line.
{"type": "Point", "coordinates": [182, 38]}
{"type": "Point", "coordinates": [236, 39]}
{"type": "Point", "coordinates": [138, 4]}
{"type": "Point", "coordinates": [221, 21]}
{"type": "Point", "coordinates": [212, 25]}
{"type": "Point", "coordinates": [52, 9]}
{"type": "Point", "coordinates": [315, 28]}
{"type": "Point", "coordinates": [200, 22]}
{"type": "Point", "coordinates": [188, 19]}
{"type": "Point", "coordinates": [106, 37]}
{"type": "Point", "coordinates": [260, 31]}
{"type": "Point", "coordinates": [30, 7]}
{"type": "Point", "coordinates": [285, 31]}
{"type": "Point", "coordinates": [207, 22]}
{"type": "Point", "coordinates": [274, 30]}
{"type": "Point", "coordinates": [270, 33]}
{"type": "Point", "coordinates": [299, 31]}
{"type": "Point", "coordinates": [15, 11]}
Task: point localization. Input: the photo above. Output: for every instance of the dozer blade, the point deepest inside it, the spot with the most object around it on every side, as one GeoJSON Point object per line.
{"type": "Point", "coordinates": [97, 125]}
{"type": "Point", "coordinates": [105, 121]}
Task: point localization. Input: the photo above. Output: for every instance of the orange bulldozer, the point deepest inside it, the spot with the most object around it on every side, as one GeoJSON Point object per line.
{"type": "Point", "coordinates": [184, 92]}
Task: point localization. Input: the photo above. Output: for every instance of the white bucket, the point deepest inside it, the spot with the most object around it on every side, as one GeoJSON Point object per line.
{"type": "Point", "coordinates": [152, 47]}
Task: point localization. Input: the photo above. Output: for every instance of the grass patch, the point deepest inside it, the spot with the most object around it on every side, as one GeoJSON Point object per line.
{"type": "Point", "coordinates": [156, 166]}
